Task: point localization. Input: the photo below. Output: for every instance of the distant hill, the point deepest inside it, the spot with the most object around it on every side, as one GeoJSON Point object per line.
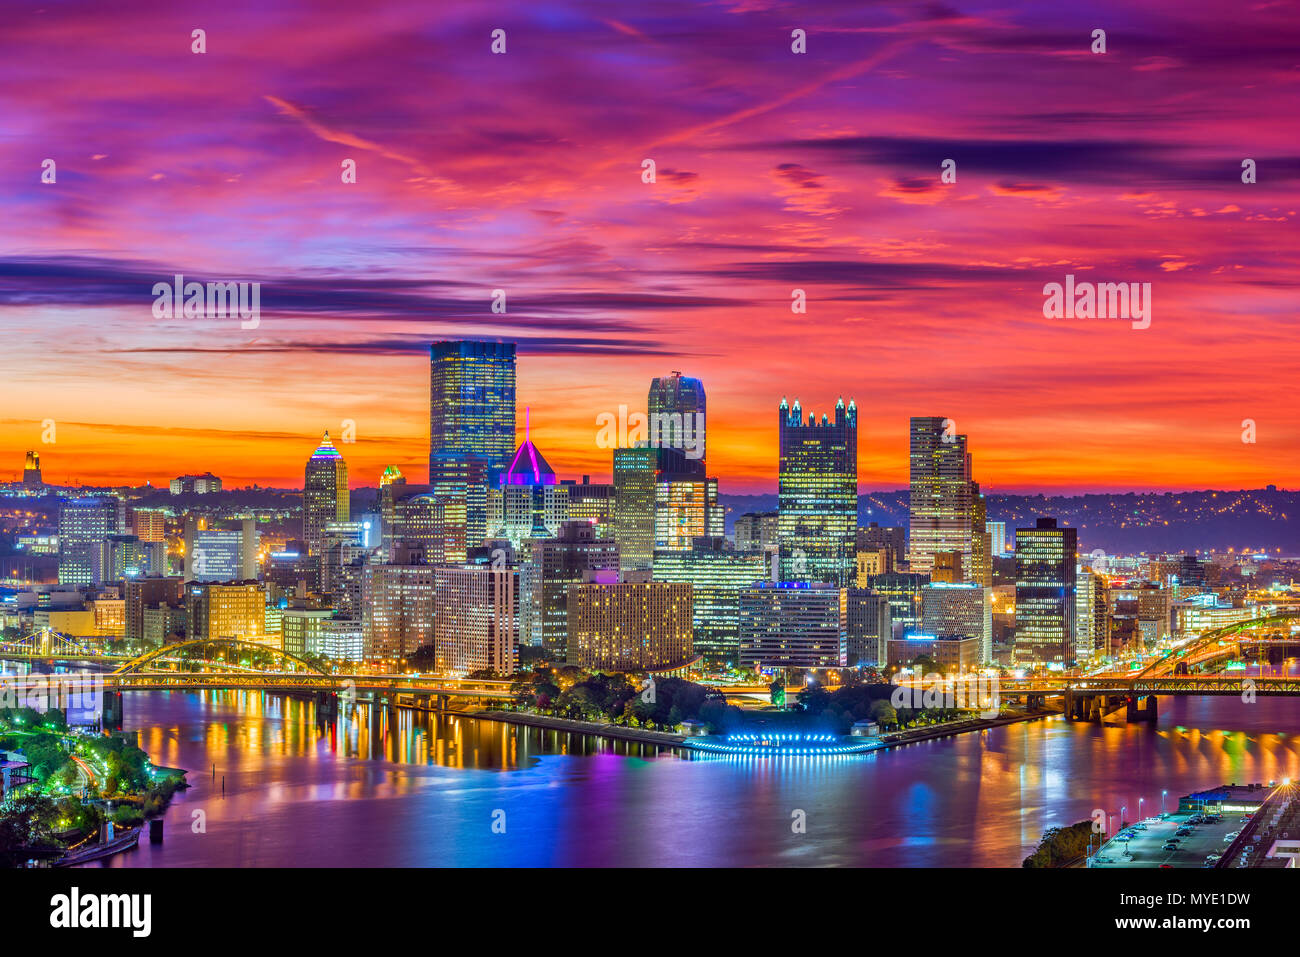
{"type": "Point", "coordinates": [1126, 522]}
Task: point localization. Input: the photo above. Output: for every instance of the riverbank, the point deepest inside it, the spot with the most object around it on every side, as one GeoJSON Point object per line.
{"type": "Point", "coordinates": [613, 731]}
{"type": "Point", "coordinates": [960, 727]}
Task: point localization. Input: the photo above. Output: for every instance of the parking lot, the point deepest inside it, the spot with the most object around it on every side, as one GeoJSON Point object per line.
{"type": "Point", "coordinates": [1146, 848]}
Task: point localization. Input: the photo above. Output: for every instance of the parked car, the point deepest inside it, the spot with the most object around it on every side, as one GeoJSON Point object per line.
{"type": "Point", "coordinates": [1229, 838]}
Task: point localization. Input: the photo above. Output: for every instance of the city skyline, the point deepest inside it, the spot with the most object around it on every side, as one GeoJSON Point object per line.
{"type": "Point", "coordinates": [776, 172]}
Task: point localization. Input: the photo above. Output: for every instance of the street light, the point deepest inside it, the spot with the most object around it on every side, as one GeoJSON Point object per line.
{"type": "Point", "coordinates": [1162, 801]}
{"type": "Point", "coordinates": [1123, 810]}
{"type": "Point", "coordinates": [1140, 800]}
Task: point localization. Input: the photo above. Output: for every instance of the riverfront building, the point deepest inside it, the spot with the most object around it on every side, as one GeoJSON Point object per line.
{"type": "Point", "coordinates": [790, 625]}
{"type": "Point", "coordinates": [717, 577]}
{"type": "Point", "coordinates": [959, 610]}
{"type": "Point", "coordinates": [476, 619]}
{"type": "Point", "coordinates": [636, 625]}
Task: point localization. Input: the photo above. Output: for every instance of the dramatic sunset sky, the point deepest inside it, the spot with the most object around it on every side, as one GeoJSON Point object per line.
{"type": "Point", "coordinates": [775, 171]}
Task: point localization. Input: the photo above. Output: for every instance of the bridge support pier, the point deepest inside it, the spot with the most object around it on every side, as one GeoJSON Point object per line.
{"type": "Point", "coordinates": [327, 703]}
{"type": "Point", "coordinates": [110, 717]}
{"type": "Point", "coordinates": [1148, 714]}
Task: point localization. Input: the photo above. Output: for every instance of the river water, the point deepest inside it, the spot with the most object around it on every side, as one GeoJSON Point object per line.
{"type": "Point", "coordinates": [382, 788]}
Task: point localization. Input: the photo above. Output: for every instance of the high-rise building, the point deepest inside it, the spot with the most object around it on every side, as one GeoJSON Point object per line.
{"type": "Point", "coordinates": [149, 592]}
{"type": "Point", "coordinates": [997, 538]}
{"type": "Point", "coordinates": [757, 531]}
{"type": "Point", "coordinates": [876, 561]}
{"type": "Point", "coordinates": [790, 625]}
{"type": "Point", "coordinates": [942, 495]}
{"type": "Point", "coordinates": [980, 568]}
{"type": "Point", "coordinates": [1046, 594]}
{"type": "Point", "coordinates": [84, 529]}
{"type": "Point", "coordinates": [638, 625]}
{"type": "Point", "coordinates": [455, 478]}
{"type": "Point", "coordinates": [959, 610]}
{"type": "Point", "coordinates": [397, 607]}
{"type": "Point", "coordinates": [420, 518]}
{"type": "Point", "coordinates": [472, 404]}
{"type": "Point", "coordinates": [530, 502]}
{"type": "Point", "coordinates": [234, 609]}
{"type": "Point", "coordinates": [903, 591]}
{"type": "Point", "coordinates": [676, 407]}
{"type": "Point", "coordinates": [717, 577]}
{"type": "Point", "coordinates": [686, 508]}
{"type": "Point", "coordinates": [476, 625]}
{"type": "Point", "coordinates": [32, 470]}
{"type": "Point", "coordinates": [592, 503]}
{"type": "Point", "coordinates": [892, 537]}
{"type": "Point", "coordinates": [149, 524]}
{"type": "Point", "coordinates": [1091, 618]}
{"type": "Point", "coordinates": [300, 628]}
{"type": "Point", "coordinates": [635, 476]}
{"type": "Point", "coordinates": [325, 494]}
{"type": "Point", "coordinates": [220, 554]}
{"type": "Point", "coordinates": [818, 494]}
{"type": "Point", "coordinates": [552, 566]}
{"type": "Point", "coordinates": [865, 627]}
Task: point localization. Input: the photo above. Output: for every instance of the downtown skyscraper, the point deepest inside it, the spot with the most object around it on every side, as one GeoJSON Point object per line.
{"type": "Point", "coordinates": [1046, 594]}
{"type": "Point", "coordinates": [946, 510]}
{"type": "Point", "coordinates": [675, 409]}
{"type": "Point", "coordinates": [472, 405]}
{"type": "Point", "coordinates": [817, 495]}
{"type": "Point", "coordinates": [324, 495]}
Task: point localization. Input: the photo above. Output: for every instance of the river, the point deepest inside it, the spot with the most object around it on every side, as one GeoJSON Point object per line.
{"type": "Point", "coordinates": [426, 790]}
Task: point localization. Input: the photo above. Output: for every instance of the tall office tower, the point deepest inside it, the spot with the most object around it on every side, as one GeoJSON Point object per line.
{"type": "Point", "coordinates": [84, 529]}
{"type": "Point", "coordinates": [32, 470]}
{"type": "Point", "coordinates": [756, 531]}
{"type": "Point", "coordinates": [226, 610]}
{"type": "Point", "coordinates": [903, 590]}
{"type": "Point", "coordinates": [790, 625]}
{"type": "Point", "coordinates": [621, 625]}
{"type": "Point", "coordinates": [981, 542]}
{"type": "Point", "coordinates": [892, 537]}
{"type": "Point", "coordinates": [1046, 594]}
{"type": "Point", "coordinates": [220, 554]}
{"type": "Point", "coordinates": [865, 627]}
{"type": "Point", "coordinates": [717, 577]}
{"type": "Point", "coordinates": [149, 524]}
{"type": "Point", "coordinates": [676, 408]}
{"type": "Point", "coordinates": [324, 494]}
{"type": "Point", "coordinates": [397, 607]}
{"type": "Point", "coordinates": [817, 495]}
{"type": "Point", "coordinates": [472, 404]}
{"type": "Point", "coordinates": [997, 538]}
{"type": "Point", "coordinates": [465, 480]}
{"type": "Point", "coordinates": [476, 625]}
{"type": "Point", "coordinates": [959, 611]}
{"type": "Point", "coordinates": [635, 476]}
{"type": "Point", "coordinates": [552, 566]}
{"type": "Point", "coordinates": [433, 524]}
{"type": "Point", "coordinates": [941, 505]}
{"type": "Point", "coordinates": [1092, 615]}
{"type": "Point", "coordinates": [149, 592]}
{"type": "Point", "coordinates": [686, 508]}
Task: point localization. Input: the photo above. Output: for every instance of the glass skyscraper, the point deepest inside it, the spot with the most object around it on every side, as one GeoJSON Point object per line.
{"type": "Point", "coordinates": [1046, 593]}
{"type": "Point", "coordinates": [676, 408]}
{"type": "Point", "coordinates": [472, 403]}
{"type": "Point", "coordinates": [817, 500]}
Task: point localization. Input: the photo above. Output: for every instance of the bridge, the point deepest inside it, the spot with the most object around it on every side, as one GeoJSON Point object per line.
{"type": "Point", "coordinates": [213, 670]}
{"type": "Point", "coordinates": [46, 644]}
